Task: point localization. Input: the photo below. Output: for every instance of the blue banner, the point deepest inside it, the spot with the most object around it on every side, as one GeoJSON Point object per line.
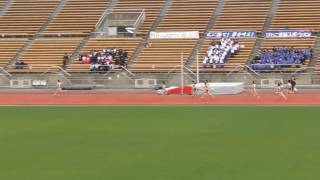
{"type": "Point", "coordinates": [231, 34]}
{"type": "Point", "coordinates": [288, 33]}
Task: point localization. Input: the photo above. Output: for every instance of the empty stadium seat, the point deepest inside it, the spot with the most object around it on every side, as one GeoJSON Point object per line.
{"type": "Point", "coordinates": [317, 68]}
{"type": "Point", "coordinates": [164, 55]}
{"type": "Point", "coordinates": [297, 14]}
{"type": "Point", "coordinates": [188, 15]}
{"type": "Point", "coordinates": [46, 54]}
{"type": "Point", "coordinates": [9, 48]}
{"type": "Point", "coordinates": [2, 4]}
{"type": "Point", "coordinates": [26, 17]}
{"type": "Point", "coordinates": [77, 17]}
{"type": "Point", "coordinates": [243, 15]}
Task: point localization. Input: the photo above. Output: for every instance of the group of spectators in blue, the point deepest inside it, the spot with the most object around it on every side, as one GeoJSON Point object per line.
{"type": "Point", "coordinates": [279, 57]}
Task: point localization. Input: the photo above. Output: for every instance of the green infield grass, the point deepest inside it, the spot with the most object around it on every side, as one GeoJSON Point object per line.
{"type": "Point", "coordinates": [160, 143]}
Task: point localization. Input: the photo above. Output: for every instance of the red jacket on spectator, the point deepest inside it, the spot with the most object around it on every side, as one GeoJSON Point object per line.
{"type": "Point", "coordinates": [86, 60]}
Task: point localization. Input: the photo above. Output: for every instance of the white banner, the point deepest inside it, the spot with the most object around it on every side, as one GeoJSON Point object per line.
{"type": "Point", "coordinates": [175, 35]}
{"type": "Point", "coordinates": [288, 34]}
{"type": "Point", "coordinates": [231, 34]}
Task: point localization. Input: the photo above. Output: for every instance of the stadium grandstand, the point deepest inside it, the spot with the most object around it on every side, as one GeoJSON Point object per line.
{"type": "Point", "coordinates": [138, 38]}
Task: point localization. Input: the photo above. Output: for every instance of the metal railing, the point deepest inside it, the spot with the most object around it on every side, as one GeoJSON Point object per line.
{"type": "Point", "coordinates": [62, 34]}
{"type": "Point", "coordinates": [128, 71]}
{"type": "Point", "coordinates": [101, 20]}
{"type": "Point", "coordinates": [174, 69]}
{"type": "Point", "coordinates": [252, 70]}
{"type": "Point", "coordinates": [139, 21]}
{"type": "Point", "coordinates": [189, 70]}
{"type": "Point", "coordinates": [44, 69]}
{"type": "Point", "coordinates": [64, 71]}
{"type": "Point", "coordinates": [5, 72]}
{"type": "Point", "coordinates": [275, 67]}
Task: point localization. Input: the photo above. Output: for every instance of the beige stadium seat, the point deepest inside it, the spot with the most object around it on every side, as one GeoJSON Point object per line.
{"type": "Point", "coordinates": [297, 14]}
{"type": "Point", "coordinates": [188, 15]}
{"type": "Point", "coordinates": [77, 17]}
{"type": "Point", "coordinates": [243, 15]}
{"type": "Point", "coordinates": [127, 44]}
{"type": "Point", "coordinates": [2, 3]}
{"type": "Point", "coordinates": [9, 48]}
{"type": "Point", "coordinates": [26, 17]}
{"type": "Point", "coordinates": [164, 55]}
{"type": "Point", "coordinates": [317, 69]}
{"type": "Point", "coordinates": [233, 62]}
{"type": "Point", "coordinates": [46, 54]}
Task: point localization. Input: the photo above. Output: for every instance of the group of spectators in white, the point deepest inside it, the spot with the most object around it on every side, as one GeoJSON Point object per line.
{"type": "Point", "coordinates": [220, 51]}
{"type": "Point", "coordinates": [105, 60]}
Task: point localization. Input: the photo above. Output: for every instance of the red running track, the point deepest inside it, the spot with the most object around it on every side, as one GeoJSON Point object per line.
{"type": "Point", "coordinates": [150, 98]}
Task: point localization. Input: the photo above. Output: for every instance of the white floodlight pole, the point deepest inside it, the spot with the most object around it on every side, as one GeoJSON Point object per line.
{"type": "Point", "coordinates": [197, 66]}
{"type": "Point", "coordinates": [182, 73]}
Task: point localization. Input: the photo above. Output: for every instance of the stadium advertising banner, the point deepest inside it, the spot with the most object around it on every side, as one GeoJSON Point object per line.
{"type": "Point", "coordinates": [288, 33]}
{"type": "Point", "coordinates": [175, 35]}
{"type": "Point", "coordinates": [231, 34]}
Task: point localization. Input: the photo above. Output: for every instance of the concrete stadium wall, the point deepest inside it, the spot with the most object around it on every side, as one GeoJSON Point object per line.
{"type": "Point", "coordinates": [123, 81]}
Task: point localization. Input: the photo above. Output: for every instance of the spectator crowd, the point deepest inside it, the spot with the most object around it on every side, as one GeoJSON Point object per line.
{"type": "Point", "coordinates": [279, 57]}
{"type": "Point", "coordinates": [220, 51]}
{"type": "Point", "coordinates": [105, 60]}
{"type": "Point", "coordinates": [19, 64]}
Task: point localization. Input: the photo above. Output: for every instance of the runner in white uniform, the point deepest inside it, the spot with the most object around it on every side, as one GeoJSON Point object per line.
{"type": "Point", "coordinates": [59, 87]}
{"type": "Point", "coordinates": [162, 89]}
{"type": "Point", "coordinates": [194, 89]}
{"type": "Point", "coordinates": [254, 90]}
{"type": "Point", "coordinates": [279, 91]}
{"type": "Point", "coordinates": [206, 90]}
